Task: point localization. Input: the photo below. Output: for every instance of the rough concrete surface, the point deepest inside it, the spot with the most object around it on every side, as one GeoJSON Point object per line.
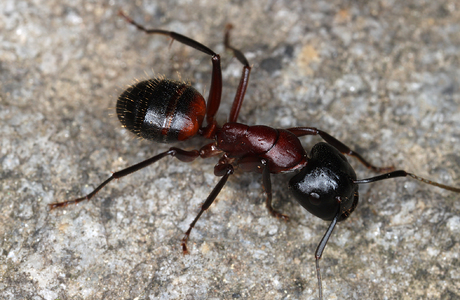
{"type": "Point", "coordinates": [382, 76]}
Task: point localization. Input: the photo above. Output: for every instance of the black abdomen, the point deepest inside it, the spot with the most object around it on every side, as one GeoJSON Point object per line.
{"type": "Point", "coordinates": [161, 110]}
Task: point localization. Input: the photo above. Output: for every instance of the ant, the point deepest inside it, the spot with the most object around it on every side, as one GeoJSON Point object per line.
{"type": "Point", "coordinates": [165, 111]}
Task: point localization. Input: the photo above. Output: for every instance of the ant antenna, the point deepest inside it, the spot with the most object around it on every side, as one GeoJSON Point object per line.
{"type": "Point", "coordinates": [402, 173]}
{"type": "Point", "coordinates": [393, 174]}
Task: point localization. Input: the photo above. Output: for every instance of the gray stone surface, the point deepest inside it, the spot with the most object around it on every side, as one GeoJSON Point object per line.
{"type": "Point", "coordinates": [383, 77]}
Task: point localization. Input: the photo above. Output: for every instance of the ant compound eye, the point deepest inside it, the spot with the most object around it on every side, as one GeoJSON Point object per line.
{"type": "Point", "coordinates": [314, 198]}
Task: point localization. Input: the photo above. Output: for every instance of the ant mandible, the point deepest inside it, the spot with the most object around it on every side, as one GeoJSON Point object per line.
{"type": "Point", "coordinates": [164, 111]}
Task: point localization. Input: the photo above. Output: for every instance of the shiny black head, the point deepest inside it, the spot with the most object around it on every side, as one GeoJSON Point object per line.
{"type": "Point", "coordinates": [326, 184]}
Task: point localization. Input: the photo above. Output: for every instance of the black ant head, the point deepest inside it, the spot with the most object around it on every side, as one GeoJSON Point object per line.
{"type": "Point", "coordinates": [326, 183]}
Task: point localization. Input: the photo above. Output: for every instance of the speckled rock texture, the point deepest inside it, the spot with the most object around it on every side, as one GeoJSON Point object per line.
{"type": "Point", "coordinates": [382, 76]}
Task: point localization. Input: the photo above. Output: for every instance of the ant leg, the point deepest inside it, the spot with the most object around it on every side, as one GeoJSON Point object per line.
{"type": "Point", "coordinates": [268, 190]}
{"type": "Point", "coordinates": [224, 170]}
{"type": "Point", "coordinates": [215, 91]}
{"type": "Point", "coordinates": [182, 155]}
{"type": "Point", "coordinates": [260, 165]}
{"type": "Point", "coordinates": [301, 131]}
{"type": "Point", "coordinates": [244, 81]}
{"type": "Point", "coordinates": [320, 249]}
